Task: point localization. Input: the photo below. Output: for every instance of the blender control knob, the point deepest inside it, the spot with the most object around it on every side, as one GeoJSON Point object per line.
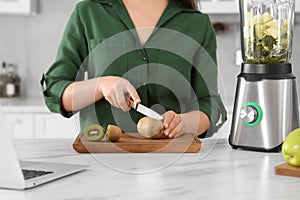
{"type": "Point", "coordinates": [249, 114]}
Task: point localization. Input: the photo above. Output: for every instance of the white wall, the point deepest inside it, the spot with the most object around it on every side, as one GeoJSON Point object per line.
{"type": "Point", "coordinates": [32, 42]}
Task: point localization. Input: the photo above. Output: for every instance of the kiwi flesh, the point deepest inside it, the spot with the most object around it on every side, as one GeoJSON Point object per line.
{"type": "Point", "coordinates": [113, 133]}
{"type": "Point", "coordinates": [94, 132]}
{"type": "Point", "coordinates": [150, 128]}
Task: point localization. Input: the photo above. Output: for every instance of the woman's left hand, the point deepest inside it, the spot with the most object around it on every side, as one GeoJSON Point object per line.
{"type": "Point", "coordinates": [194, 122]}
{"type": "Point", "coordinates": [173, 126]}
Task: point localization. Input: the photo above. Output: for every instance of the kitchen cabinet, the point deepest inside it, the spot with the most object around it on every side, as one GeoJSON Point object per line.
{"type": "Point", "coordinates": [27, 124]}
{"type": "Point", "coordinates": [48, 125]}
{"type": "Point", "coordinates": [18, 7]}
{"type": "Point", "coordinates": [219, 6]}
{"type": "Point", "coordinates": [20, 125]}
{"type": "Point", "coordinates": [297, 6]}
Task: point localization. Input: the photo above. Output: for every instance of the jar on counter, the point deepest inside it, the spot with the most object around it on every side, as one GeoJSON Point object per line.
{"type": "Point", "coordinates": [3, 80]}
{"type": "Point", "coordinates": [12, 82]}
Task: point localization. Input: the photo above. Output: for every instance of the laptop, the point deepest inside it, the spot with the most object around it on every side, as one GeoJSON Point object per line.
{"type": "Point", "coordinates": [16, 174]}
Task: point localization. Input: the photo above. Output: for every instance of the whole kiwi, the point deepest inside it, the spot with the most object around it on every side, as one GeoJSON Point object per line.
{"type": "Point", "coordinates": [94, 132]}
{"type": "Point", "coordinates": [150, 128]}
{"type": "Point", "coordinates": [113, 133]}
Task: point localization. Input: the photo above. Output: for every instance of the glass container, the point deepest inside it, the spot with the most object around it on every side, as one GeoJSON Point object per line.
{"type": "Point", "coordinates": [267, 30]}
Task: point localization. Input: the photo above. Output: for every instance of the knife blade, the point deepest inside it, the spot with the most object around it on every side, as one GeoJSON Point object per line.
{"type": "Point", "coordinates": [146, 111]}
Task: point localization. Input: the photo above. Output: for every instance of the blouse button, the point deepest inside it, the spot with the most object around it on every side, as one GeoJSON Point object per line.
{"type": "Point", "coordinates": [143, 58]}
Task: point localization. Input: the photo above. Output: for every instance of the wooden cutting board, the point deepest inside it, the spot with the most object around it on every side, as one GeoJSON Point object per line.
{"type": "Point", "coordinates": [134, 143]}
{"type": "Point", "coordinates": [286, 169]}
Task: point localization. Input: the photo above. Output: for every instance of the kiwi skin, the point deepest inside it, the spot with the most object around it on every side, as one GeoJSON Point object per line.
{"type": "Point", "coordinates": [150, 128]}
{"type": "Point", "coordinates": [94, 132]}
{"type": "Point", "coordinates": [113, 133]}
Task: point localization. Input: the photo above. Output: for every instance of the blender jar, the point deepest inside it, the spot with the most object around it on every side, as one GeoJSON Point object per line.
{"type": "Point", "coordinates": [267, 27]}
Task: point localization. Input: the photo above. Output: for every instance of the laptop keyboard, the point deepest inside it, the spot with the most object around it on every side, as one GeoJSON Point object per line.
{"type": "Point", "coordinates": [28, 174]}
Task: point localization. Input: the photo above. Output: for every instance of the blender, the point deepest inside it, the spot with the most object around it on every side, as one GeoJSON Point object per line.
{"type": "Point", "coordinates": [266, 105]}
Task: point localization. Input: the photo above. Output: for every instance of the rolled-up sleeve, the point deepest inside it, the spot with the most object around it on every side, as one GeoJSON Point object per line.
{"type": "Point", "coordinates": [205, 81]}
{"type": "Point", "coordinates": [67, 66]}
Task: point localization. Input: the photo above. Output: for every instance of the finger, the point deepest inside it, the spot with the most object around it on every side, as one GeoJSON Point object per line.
{"type": "Point", "coordinates": [131, 103]}
{"type": "Point", "coordinates": [174, 123]}
{"type": "Point", "coordinates": [177, 131]}
{"type": "Point", "coordinates": [129, 100]}
{"type": "Point", "coordinates": [133, 93]}
{"type": "Point", "coordinates": [109, 99]}
{"type": "Point", "coordinates": [168, 117]}
{"type": "Point", "coordinates": [123, 104]}
{"type": "Point", "coordinates": [114, 101]}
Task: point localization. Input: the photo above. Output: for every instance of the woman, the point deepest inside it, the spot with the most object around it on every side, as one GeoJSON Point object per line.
{"type": "Point", "coordinates": [141, 25]}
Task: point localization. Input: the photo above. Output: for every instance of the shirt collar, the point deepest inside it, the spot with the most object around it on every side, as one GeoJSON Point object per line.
{"type": "Point", "coordinates": [173, 7]}
{"type": "Point", "coordinates": [110, 2]}
{"type": "Point", "coordinates": [172, 4]}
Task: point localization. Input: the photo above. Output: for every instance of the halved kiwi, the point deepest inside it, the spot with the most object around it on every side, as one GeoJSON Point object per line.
{"type": "Point", "coordinates": [113, 133]}
{"type": "Point", "coordinates": [94, 132]}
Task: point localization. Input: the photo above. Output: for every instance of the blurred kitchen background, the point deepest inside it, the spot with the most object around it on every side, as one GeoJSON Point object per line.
{"type": "Point", "coordinates": [31, 42]}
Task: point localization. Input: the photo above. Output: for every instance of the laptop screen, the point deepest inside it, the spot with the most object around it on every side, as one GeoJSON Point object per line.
{"type": "Point", "coordinates": [10, 171]}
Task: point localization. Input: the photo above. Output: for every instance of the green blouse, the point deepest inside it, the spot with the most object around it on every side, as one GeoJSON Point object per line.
{"type": "Point", "coordinates": [174, 70]}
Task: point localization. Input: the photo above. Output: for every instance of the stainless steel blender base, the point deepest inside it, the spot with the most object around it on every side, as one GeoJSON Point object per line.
{"type": "Point", "coordinates": [265, 112]}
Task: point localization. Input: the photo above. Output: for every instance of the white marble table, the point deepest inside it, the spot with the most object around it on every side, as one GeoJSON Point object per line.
{"type": "Point", "coordinates": [217, 172]}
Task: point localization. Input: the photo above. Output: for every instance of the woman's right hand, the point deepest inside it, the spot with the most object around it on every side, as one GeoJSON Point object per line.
{"type": "Point", "coordinates": [118, 91]}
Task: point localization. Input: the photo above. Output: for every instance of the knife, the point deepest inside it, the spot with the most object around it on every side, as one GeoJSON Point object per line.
{"type": "Point", "coordinates": [146, 111]}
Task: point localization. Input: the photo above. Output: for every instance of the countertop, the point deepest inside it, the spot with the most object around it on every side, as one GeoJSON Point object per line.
{"type": "Point", "coordinates": [23, 105]}
{"type": "Point", "coordinates": [216, 172]}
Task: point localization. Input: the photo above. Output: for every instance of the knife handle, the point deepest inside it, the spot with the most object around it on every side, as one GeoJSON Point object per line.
{"type": "Point", "coordinates": [132, 104]}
